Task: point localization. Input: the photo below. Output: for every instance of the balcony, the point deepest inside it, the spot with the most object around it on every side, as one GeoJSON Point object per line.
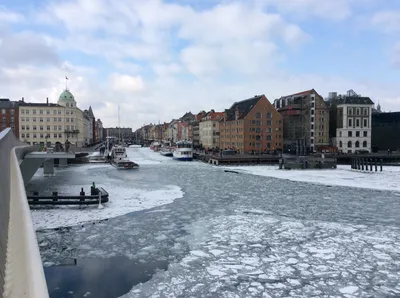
{"type": "Point", "coordinates": [75, 131]}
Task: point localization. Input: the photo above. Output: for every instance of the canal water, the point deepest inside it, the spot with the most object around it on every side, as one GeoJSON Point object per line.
{"type": "Point", "coordinates": [229, 235]}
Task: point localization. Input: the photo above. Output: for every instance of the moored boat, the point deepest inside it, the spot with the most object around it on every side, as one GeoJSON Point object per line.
{"type": "Point", "coordinates": [119, 159]}
{"type": "Point", "coordinates": [183, 151]}
{"type": "Point", "coordinates": [166, 150]}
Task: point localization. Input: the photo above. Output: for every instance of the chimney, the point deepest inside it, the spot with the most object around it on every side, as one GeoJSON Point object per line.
{"type": "Point", "coordinates": [22, 99]}
{"type": "Point", "coordinates": [47, 101]}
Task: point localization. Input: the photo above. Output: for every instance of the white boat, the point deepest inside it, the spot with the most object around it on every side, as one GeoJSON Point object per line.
{"type": "Point", "coordinates": [183, 151]}
{"type": "Point", "coordinates": [119, 159]}
{"type": "Point", "coordinates": [166, 150]}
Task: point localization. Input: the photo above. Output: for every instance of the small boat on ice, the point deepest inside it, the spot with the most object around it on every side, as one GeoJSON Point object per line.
{"type": "Point", "coordinates": [119, 159]}
{"type": "Point", "coordinates": [166, 150]}
{"type": "Point", "coordinates": [183, 151]}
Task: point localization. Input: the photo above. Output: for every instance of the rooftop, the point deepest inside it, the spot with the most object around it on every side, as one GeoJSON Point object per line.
{"type": "Point", "coordinates": [244, 107]}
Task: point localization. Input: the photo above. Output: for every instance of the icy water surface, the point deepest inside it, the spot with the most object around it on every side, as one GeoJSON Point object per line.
{"type": "Point", "coordinates": [234, 235]}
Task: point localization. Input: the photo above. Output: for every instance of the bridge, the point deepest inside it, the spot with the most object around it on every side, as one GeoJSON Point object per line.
{"type": "Point", "coordinates": [21, 269]}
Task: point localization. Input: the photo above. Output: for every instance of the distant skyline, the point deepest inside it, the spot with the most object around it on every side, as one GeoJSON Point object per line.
{"type": "Point", "coordinates": [159, 59]}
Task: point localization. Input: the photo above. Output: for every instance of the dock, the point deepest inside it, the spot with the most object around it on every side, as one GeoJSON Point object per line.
{"type": "Point", "coordinates": [81, 199]}
{"type": "Point", "coordinates": [238, 159]}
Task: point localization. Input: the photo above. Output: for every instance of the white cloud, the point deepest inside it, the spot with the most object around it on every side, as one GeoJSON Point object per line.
{"type": "Point", "coordinates": [388, 21]}
{"type": "Point", "coordinates": [126, 83]}
{"type": "Point", "coordinates": [335, 10]}
{"type": "Point", "coordinates": [159, 60]}
{"type": "Point", "coordinates": [7, 16]}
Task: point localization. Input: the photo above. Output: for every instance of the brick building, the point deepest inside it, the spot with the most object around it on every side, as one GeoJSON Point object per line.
{"type": "Point", "coordinates": [9, 115]}
{"type": "Point", "coordinates": [252, 125]}
{"type": "Point", "coordinates": [306, 121]}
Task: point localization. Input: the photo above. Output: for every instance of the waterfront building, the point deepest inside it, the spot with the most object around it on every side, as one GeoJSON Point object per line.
{"type": "Point", "coordinates": [9, 115]}
{"type": "Point", "coordinates": [252, 125]}
{"type": "Point", "coordinates": [385, 130]}
{"type": "Point", "coordinates": [305, 121]}
{"type": "Point", "coordinates": [209, 129]}
{"type": "Point", "coordinates": [353, 122]}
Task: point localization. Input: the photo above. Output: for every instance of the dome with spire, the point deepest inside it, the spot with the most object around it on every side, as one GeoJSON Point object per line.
{"type": "Point", "coordinates": [66, 99]}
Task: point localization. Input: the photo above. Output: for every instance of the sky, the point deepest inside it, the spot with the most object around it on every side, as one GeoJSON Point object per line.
{"type": "Point", "coordinates": [157, 59]}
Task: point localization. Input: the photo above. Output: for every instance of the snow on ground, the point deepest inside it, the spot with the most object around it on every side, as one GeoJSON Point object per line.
{"type": "Point", "coordinates": [342, 176]}
{"type": "Point", "coordinates": [123, 200]}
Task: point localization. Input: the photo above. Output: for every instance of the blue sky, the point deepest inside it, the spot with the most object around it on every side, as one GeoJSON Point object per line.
{"type": "Point", "coordinates": [159, 59]}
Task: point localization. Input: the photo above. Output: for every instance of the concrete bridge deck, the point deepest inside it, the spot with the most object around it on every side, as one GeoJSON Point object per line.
{"type": "Point", "coordinates": [21, 269]}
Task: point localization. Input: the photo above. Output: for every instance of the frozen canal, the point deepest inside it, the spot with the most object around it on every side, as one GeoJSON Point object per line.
{"type": "Point", "coordinates": [180, 229]}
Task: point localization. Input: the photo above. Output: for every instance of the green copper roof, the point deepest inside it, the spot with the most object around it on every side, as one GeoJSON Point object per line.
{"type": "Point", "coordinates": [66, 96]}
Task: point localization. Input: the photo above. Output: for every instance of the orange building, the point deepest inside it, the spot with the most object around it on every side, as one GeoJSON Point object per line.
{"type": "Point", "coordinates": [252, 125]}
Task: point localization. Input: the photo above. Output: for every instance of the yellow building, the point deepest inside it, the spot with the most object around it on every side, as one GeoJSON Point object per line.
{"type": "Point", "coordinates": [49, 123]}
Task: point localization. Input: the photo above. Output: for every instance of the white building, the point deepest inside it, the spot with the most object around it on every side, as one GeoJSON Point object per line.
{"type": "Point", "coordinates": [49, 123]}
{"type": "Point", "coordinates": [209, 129]}
{"type": "Point", "coordinates": [353, 129]}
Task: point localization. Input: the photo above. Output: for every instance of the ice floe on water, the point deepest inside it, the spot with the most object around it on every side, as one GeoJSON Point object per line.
{"type": "Point", "coordinates": [123, 200]}
{"type": "Point", "coordinates": [342, 176]}
{"type": "Point", "coordinates": [247, 255]}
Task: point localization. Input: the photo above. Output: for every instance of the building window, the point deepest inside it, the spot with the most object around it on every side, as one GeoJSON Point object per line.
{"type": "Point", "coordinates": [365, 144]}
{"type": "Point", "coordinates": [340, 134]}
{"type": "Point", "coordinates": [312, 133]}
{"type": "Point", "coordinates": [350, 122]}
{"type": "Point", "coordinates": [34, 119]}
{"type": "Point", "coordinates": [269, 115]}
{"type": "Point", "coordinates": [349, 133]}
{"type": "Point", "coordinates": [312, 119]}
{"type": "Point", "coordinates": [258, 130]}
{"type": "Point", "coordinates": [41, 136]}
{"type": "Point", "coordinates": [22, 111]}
{"type": "Point", "coordinates": [365, 122]}
{"type": "Point", "coordinates": [59, 119]}
{"type": "Point", "coordinates": [349, 111]}
{"type": "Point", "coordinates": [358, 112]}
{"type": "Point", "coordinates": [54, 112]}
{"type": "Point", "coordinates": [312, 112]}
{"type": "Point", "coordinates": [55, 119]}
{"type": "Point", "coordinates": [47, 112]}
{"type": "Point", "coordinates": [340, 144]}
{"type": "Point", "coordinates": [34, 136]}
{"type": "Point", "coordinates": [55, 136]}
{"type": "Point", "coordinates": [365, 111]}
{"type": "Point", "coordinates": [258, 115]}
{"type": "Point", "coordinates": [349, 144]}
{"type": "Point", "coordinates": [357, 133]}
{"type": "Point", "coordinates": [365, 133]}
{"type": "Point", "coordinates": [34, 127]}
{"type": "Point", "coordinates": [357, 144]}
{"type": "Point", "coordinates": [22, 135]}
{"type": "Point", "coordinates": [27, 112]}
{"type": "Point", "coordinates": [269, 137]}
{"type": "Point", "coordinates": [48, 127]}
{"type": "Point", "coordinates": [312, 126]}
{"type": "Point", "coordinates": [48, 119]}
{"type": "Point", "coordinates": [269, 122]}
{"type": "Point", "coordinates": [59, 136]}
{"type": "Point", "coordinates": [41, 112]}
{"type": "Point", "coordinates": [357, 122]}
{"type": "Point", "coordinates": [312, 104]}
{"type": "Point", "coordinates": [59, 127]}
{"type": "Point", "coordinates": [41, 119]}
{"type": "Point", "coordinates": [59, 113]}
{"type": "Point", "coordinates": [41, 127]}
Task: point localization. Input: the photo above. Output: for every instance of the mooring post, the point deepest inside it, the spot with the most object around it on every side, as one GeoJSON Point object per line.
{"type": "Point", "coordinates": [376, 165]}
{"type": "Point", "coordinates": [100, 206]}
{"type": "Point", "coordinates": [381, 164]}
{"type": "Point", "coordinates": [370, 164]}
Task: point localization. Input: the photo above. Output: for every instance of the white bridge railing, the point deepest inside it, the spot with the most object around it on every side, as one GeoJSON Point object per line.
{"type": "Point", "coordinates": [21, 270]}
